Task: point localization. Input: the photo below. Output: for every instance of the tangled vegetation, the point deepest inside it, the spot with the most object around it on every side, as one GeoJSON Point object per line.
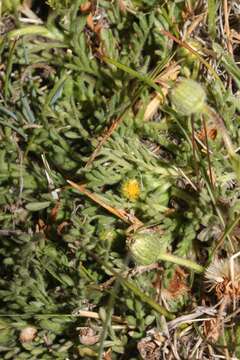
{"type": "Point", "coordinates": [119, 179]}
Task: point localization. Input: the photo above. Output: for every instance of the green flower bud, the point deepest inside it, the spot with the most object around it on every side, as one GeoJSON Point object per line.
{"type": "Point", "coordinates": [188, 97]}
{"type": "Point", "coordinates": [146, 246]}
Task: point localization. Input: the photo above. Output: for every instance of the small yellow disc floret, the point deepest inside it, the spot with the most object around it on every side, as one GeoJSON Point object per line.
{"type": "Point", "coordinates": [131, 189]}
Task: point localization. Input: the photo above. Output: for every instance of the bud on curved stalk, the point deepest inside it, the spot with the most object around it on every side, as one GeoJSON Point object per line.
{"type": "Point", "coordinates": [148, 246]}
{"type": "Point", "coordinates": [189, 98]}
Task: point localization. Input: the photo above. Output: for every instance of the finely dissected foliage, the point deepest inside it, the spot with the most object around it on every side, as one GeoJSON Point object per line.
{"type": "Point", "coordinates": [87, 95]}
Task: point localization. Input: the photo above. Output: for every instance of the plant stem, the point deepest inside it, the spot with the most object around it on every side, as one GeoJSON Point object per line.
{"type": "Point", "coordinates": [181, 261]}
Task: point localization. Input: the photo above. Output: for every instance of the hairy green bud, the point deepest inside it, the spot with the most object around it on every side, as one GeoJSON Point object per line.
{"type": "Point", "coordinates": [146, 245]}
{"type": "Point", "coordinates": [188, 97]}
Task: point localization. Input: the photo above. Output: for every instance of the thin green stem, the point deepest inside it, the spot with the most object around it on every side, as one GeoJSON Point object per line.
{"type": "Point", "coordinates": [183, 262]}
{"type": "Point", "coordinates": [9, 70]}
{"type": "Point", "coordinates": [194, 150]}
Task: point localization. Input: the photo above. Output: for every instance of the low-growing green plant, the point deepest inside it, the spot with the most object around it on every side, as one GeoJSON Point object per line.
{"type": "Point", "coordinates": [119, 179]}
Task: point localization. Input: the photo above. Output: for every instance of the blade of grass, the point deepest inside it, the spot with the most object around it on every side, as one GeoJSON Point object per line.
{"type": "Point", "coordinates": [212, 10]}
{"type": "Point", "coordinates": [182, 262]}
{"type": "Point", "coordinates": [9, 70]}
{"type": "Point", "coordinates": [229, 64]}
{"type": "Point", "coordinates": [144, 78]}
{"type": "Point", "coordinates": [19, 131]}
{"type": "Point", "coordinates": [144, 297]}
{"type": "Point", "coordinates": [8, 113]}
{"type": "Point", "coordinates": [54, 93]}
{"type": "Point", "coordinates": [34, 30]}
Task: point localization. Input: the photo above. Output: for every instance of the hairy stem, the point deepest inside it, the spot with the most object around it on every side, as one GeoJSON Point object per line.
{"type": "Point", "coordinates": [181, 261]}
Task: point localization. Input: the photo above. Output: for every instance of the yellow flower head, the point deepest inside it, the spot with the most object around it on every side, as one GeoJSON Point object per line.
{"type": "Point", "coordinates": [131, 189]}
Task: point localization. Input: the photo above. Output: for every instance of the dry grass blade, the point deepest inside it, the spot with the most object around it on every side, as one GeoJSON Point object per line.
{"type": "Point", "coordinates": [169, 74]}
{"type": "Point", "coordinates": [193, 51]}
{"type": "Point", "coordinates": [121, 214]}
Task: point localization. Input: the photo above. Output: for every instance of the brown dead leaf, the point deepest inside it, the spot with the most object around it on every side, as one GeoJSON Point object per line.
{"type": "Point", "coordinates": [98, 27]}
{"type": "Point", "coordinates": [178, 283]}
{"type": "Point", "coordinates": [61, 227]}
{"type": "Point", "coordinates": [54, 211]}
{"type": "Point", "coordinates": [211, 134]}
{"type": "Point", "coordinates": [86, 7]}
{"type": "Point", "coordinates": [177, 286]}
{"type": "Point", "coordinates": [122, 6]}
{"type": "Point", "coordinates": [40, 226]}
{"type": "Point", "coordinates": [90, 22]}
{"type": "Point", "coordinates": [153, 106]}
{"type": "Point", "coordinates": [169, 74]}
{"type": "Point", "coordinates": [107, 355]}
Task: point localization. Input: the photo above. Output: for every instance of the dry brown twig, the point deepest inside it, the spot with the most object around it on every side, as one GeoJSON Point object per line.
{"type": "Point", "coordinates": [121, 214]}
{"type": "Point", "coordinates": [193, 25]}
{"type": "Point", "coordinates": [227, 29]}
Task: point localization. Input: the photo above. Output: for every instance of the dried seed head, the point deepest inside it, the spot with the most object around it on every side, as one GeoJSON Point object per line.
{"type": "Point", "coordinates": [212, 329]}
{"type": "Point", "coordinates": [131, 189]}
{"type": "Point", "coordinates": [146, 246]}
{"type": "Point", "coordinates": [218, 278]}
{"type": "Point", "coordinates": [28, 334]}
{"type": "Point", "coordinates": [149, 349]}
{"type": "Point", "coordinates": [188, 97]}
{"type": "Point", "coordinates": [88, 336]}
